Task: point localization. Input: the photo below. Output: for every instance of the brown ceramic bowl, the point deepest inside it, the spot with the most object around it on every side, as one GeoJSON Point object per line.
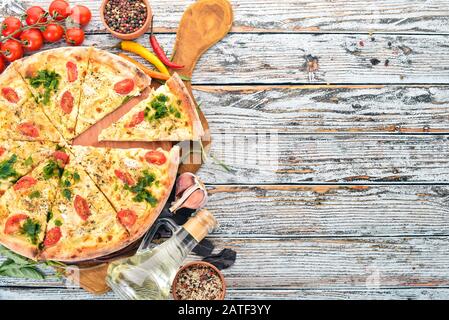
{"type": "Point", "coordinates": [128, 36]}
{"type": "Point", "coordinates": [202, 264]}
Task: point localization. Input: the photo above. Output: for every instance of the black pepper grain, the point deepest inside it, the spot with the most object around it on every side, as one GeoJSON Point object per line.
{"type": "Point", "coordinates": [125, 16]}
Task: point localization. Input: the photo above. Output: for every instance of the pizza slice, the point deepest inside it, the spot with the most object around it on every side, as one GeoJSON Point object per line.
{"type": "Point", "coordinates": [25, 206]}
{"type": "Point", "coordinates": [18, 158]}
{"type": "Point", "coordinates": [66, 68]}
{"type": "Point", "coordinates": [137, 182]}
{"type": "Point", "coordinates": [83, 224]}
{"type": "Point", "coordinates": [168, 114]}
{"type": "Point", "coordinates": [21, 117]}
{"type": "Point", "coordinates": [110, 81]}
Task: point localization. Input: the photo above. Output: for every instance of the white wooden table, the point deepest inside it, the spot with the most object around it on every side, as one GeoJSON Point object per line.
{"type": "Point", "coordinates": [358, 206]}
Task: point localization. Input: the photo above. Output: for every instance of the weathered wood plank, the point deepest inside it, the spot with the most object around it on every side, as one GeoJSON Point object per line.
{"type": "Point", "coordinates": [306, 16]}
{"type": "Point", "coordinates": [321, 58]}
{"type": "Point", "coordinates": [331, 263]}
{"type": "Point", "coordinates": [245, 294]}
{"type": "Point", "coordinates": [269, 157]}
{"type": "Point", "coordinates": [299, 109]}
{"type": "Point", "coordinates": [310, 211]}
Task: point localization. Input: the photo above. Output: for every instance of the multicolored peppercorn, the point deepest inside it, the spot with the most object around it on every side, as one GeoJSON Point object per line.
{"type": "Point", "coordinates": [125, 16]}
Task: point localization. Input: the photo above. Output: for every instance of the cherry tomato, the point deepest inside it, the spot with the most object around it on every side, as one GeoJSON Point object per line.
{"type": "Point", "coordinates": [80, 15]}
{"type": "Point", "coordinates": [2, 151]}
{"type": "Point", "coordinates": [124, 87]}
{"type": "Point", "coordinates": [81, 207]}
{"type": "Point", "coordinates": [11, 25]}
{"type": "Point", "coordinates": [2, 64]}
{"type": "Point", "coordinates": [10, 94]}
{"type": "Point", "coordinates": [25, 183]}
{"type": "Point", "coordinates": [74, 36]}
{"type": "Point", "coordinates": [67, 102]}
{"type": "Point", "coordinates": [155, 157]}
{"type": "Point", "coordinates": [53, 32]}
{"type": "Point", "coordinates": [52, 237]}
{"type": "Point", "coordinates": [59, 9]}
{"type": "Point", "coordinates": [127, 217]}
{"type": "Point", "coordinates": [12, 50]}
{"type": "Point", "coordinates": [35, 14]}
{"type": "Point", "coordinates": [32, 40]}
{"type": "Point", "coordinates": [136, 119]}
{"type": "Point", "coordinates": [125, 177]}
{"type": "Point", "coordinates": [72, 71]}
{"type": "Point", "coordinates": [14, 223]}
{"type": "Point", "coordinates": [61, 156]}
{"type": "Point", "coordinates": [28, 129]}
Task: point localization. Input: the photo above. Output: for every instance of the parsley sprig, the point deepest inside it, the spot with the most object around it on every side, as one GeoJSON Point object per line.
{"type": "Point", "coordinates": [140, 191]}
{"type": "Point", "coordinates": [49, 80]}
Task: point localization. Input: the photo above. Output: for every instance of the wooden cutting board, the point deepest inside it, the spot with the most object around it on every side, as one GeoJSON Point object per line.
{"type": "Point", "coordinates": [203, 24]}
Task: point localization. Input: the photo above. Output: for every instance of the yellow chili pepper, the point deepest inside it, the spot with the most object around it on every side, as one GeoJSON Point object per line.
{"type": "Point", "coordinates": [140, 50]}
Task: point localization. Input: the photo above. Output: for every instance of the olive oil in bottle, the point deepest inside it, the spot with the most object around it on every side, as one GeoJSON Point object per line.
{"type": "Point", "coordinates": [148, 274]}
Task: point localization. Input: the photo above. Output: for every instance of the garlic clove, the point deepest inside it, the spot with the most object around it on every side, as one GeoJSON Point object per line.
{"type": "Point", "coordinates": [184, 181]}
{"type": "Point", "coordinates": [196, 200]}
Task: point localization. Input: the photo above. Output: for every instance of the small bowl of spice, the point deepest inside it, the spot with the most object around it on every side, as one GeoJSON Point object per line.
{"type": "Point", "coordinates": [126, 19]}
{"type": "Point", "coordinates": [199, 281]}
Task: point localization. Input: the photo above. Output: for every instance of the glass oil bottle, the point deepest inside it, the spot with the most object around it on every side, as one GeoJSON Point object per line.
{"type": "Point", "coordinates": [148, 275]}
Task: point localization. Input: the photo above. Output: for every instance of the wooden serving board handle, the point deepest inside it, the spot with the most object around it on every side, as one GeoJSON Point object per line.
{"type": "Point", "coordinates": [203, 24]}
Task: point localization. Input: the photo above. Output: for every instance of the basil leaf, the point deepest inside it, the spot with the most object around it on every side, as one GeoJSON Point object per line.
{"type": "Point", "coordinates": [31, 229]}
{"type": "Point", "coordinates": [34, 194]}
{"type": "Point", "coordinates": [7, 168]}
{"type": "Point", "coordinates": [29, 161]}
{"type": "Point", "coordinates": [67, 194]}
{"type": "Point", "coordinates": [18, 271]}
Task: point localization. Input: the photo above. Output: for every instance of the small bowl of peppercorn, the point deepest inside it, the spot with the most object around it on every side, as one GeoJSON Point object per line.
{"type": "Point", "coordinates": [126, 19]}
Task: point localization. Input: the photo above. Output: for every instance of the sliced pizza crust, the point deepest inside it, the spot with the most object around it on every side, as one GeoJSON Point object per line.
{"type": "Point", "coordinates": [24, 209]}
{"type": "Point", "coordinates": [168, 114]}
{"type": "Point", "coordinates": [18, 158]}
{"type": "Point", "coordinates": [137, 182]}
{"type": "Point", "coordinates": [110, 81]}
{"type": "Point", "coordinates": [83, 223]}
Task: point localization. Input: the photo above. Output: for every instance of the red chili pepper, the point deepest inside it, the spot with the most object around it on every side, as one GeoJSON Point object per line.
{"type": "Point", "coordinates": [160, 52]}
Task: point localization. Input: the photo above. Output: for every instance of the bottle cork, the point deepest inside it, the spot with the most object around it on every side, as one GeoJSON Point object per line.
{"type": "Point", "coordinates": [200, 225]}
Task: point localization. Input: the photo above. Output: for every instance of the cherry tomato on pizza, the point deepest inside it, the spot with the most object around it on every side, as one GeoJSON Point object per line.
{"type": "Point", "coordinates": [11, 25]}
{"type": "Point", "coordinates": [72, 71]}
{"type": "Point", "coordinates": [35, 14]}
{"type": "Point", "coordinates": [53, 32]}
{"type": "Point", "coordinates": [32, 40]}
{"type": "Point", "coordinates": [59, 9]}
{"type": "Point", "coordinates": [61, 157]}
{"type": "Point", "coordinates": [24, 183]}
{"type": "Point", "coordinates": [10, 94]}
{"type": "Point", "coordinates": [67, 102]}
{"type": "Point", "coordinates": [2, 151]}
{"type": "Point", "coordinates": [74, 36]}
{"type": "Point", "coordinates": [14, 223]}
{"type": "Point", "coordinates": [28, 129]}
{"type": "Point", "coordinates": [52, 237]}
{"type": "Point", "coordinates": [136, 119]}
{"type": "Point", "coordinates": [124, 87]}
{"type": "Point", "coordinates": [81, 15]}
{"type": "Point", "coordinates": [127, 217]}
{"type": "Point", "coordinates": [155, 157]}
{"type": "Point", "coordinates": [125, 177]}
{"type": "Point", "coordinates": [12, 50]}
{"type": "Point", "coordinates": [81, 207]}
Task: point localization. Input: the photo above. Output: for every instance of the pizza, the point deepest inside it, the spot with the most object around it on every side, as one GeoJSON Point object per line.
{"type": "Point", "coordinates": [168, 114]}
{"type": "Point", "coordinates": [21, 118]}
{"type": "Point", "coordinates": [82, 223]}
{"type": "Point", "coordinates": [110, 81]}
{"type": "Point", "coordinates": [137, 182]}
{"type": "Point", "coordinates": [18, 158]}
{"type": "Point", "coordinates": [24, 209]}
{"type": "Point", "coordinates": [73, 203]}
